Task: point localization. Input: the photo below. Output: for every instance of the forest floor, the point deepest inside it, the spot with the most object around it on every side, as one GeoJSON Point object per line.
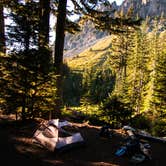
{"type": "Point", "coordinates": [16, 148]}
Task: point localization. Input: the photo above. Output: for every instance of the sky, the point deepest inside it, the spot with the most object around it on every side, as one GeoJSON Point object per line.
{"type": "Point", "coordinates": [69, 3]}
{"type": "Point", "coordinates": [52, 33]}
{"type": "Point", "coordinates": [53, 21]}
{"type": "Point", "coordinates": [117, 1]}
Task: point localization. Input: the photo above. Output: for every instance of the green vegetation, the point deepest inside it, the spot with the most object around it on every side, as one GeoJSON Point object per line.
{"type": "Point", "coordinates": [123, 77]}
{"type": "Point", "coordinates": [120, 80]}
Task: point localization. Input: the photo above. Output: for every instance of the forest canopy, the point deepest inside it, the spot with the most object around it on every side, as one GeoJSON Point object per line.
{"type": "Point", "coordinates": [122, 82]}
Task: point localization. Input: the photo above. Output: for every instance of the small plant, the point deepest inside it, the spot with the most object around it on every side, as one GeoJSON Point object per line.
{"type": "Point", "coordinates": [159, 128]}
{"type": "Point", "coordinates": [115, 111]}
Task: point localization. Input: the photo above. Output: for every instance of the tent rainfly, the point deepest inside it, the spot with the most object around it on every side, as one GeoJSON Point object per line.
{"type": "Point", "coordinates": [53, 135]}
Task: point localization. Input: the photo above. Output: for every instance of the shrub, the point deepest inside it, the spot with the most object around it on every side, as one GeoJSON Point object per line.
{"type": "Point", "coordinates": [159, 128]}
{"type": "Point", "coordinates": [141, 122]}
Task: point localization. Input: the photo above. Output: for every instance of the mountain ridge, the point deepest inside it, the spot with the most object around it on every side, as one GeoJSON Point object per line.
{"type": "Point", "coordinates": [76, 43]}
{"type": "Point", "coordinates": [145, 8]}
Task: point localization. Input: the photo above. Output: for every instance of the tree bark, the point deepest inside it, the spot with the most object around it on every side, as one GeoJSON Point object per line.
{"type": "Point", "coordinates": [44, 15]}
{"type": "Point", "coordinates": [2, 30]}
{"type": "Point", "coordinates": [58, 56]}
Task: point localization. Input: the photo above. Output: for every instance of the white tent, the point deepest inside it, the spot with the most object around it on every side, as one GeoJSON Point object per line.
{"type": "Point", "coordinates": [53, 135]}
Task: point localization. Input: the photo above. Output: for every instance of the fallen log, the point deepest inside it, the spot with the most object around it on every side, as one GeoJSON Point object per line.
{"type": "Point", "coordinates": [151, 138]}
{"type": "Point", "coordinates": [142, 134]}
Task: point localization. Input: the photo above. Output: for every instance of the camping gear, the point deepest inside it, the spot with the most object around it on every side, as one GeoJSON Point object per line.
{"type": "Point", "coordinates": [128, 128]}
{"type": "Point", "coordinates": [130, 131]}
{"type": "Point", "coordinates": [134, 147]}
{"type": "Point", "coordinates": [146, 150]}
{"type": "Point", "coordinates": [129, 148]}
{"type": "Point", "coordinates": [56, 135]}
{"type": "Point", "coordinates": [121, 151]}
{"type": "Point", "coordinates": [137, 158]}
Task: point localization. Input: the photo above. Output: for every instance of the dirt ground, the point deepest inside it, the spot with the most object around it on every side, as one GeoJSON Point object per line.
{"type": "Point", "coordinates": [16, 148]}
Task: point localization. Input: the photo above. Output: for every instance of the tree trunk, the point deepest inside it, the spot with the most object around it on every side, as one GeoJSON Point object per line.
{"type": "Point", "coordinates": [44, 16]}
{"type": "Point", "coordinates": [58, 56]}
{"type": "Point", "coordinates": [2, 31]}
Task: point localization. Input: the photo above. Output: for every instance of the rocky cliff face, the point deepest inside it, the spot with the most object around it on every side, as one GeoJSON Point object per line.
{"type": "Point", "coordinates": [82, 40]}
{"type": "Point", "coordinates": [144, 8]}
{"type": "Point", "coordinates": [74, 44]}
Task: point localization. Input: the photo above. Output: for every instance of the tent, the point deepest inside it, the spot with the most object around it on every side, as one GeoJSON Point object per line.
{"type": "Point", "coordinates": [55, 135]}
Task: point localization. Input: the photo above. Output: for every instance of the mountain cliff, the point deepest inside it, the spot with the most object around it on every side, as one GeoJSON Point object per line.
{"type": "Point", "coordinates": [74, 44]}
{"type": "Point", "coordinates": [145, 8]}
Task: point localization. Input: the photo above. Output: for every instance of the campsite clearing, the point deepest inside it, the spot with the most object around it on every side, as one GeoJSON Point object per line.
{"type": "Point", "coordinates": [17, 148]}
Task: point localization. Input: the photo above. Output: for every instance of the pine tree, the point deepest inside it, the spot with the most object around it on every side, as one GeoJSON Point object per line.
{"type": "Point", "coordinates": [28, 70]}
{"type": "Point", "coordinates": [159, 95]}
{"type": "Point", "coordinates": [2, 30]}
{"type": "Point", "coordinates": [157, 102]}
{"type": "Point", "coordinates": [44, 19]}
{"type": "Point", "coordinates": [137, 67]}
{"type": "Point", "coordinates": [22, 33]}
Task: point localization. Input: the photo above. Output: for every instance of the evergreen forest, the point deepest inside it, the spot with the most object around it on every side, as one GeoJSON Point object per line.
{"type": "Point", "coordinates": [120, 80]}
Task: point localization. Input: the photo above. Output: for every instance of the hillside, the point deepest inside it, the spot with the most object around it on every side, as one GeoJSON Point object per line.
{"type": "Point", "coordinates": [95, 55]}
{"type": "Point", "coordinates": [88, 36]}
{"type": "Point", "coordinates": [145, 8]}
{"type": "Point", "coordinates": [151, 9]}
{"type": "Point", "coordinates": [98, 73]}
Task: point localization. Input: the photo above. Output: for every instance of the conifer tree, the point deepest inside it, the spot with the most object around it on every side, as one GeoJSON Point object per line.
{"type": "Point", "coordinates": [44, 15]}
{"type": "Point", "coordinates": [29, 69]}
{"type": "Point", "coordinates": [90, 10]}
{"type": "Point", "coordinates": [27, 19]}
{"type": "Point", "coordinates": [159, 95]}
{"type": "Point", "coordinates": [138, 72]}
{"type": "Point", "coordinates": [157, 72]}
{"type": "Point", "coordinates": [2, 30]}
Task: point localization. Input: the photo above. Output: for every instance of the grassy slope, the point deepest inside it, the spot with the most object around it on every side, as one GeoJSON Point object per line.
{"type": "Point", "coordinates": [91, 56]}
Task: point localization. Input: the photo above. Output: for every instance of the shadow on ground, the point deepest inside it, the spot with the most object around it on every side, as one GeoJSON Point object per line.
{"type": "Point", "coordinates": [16, 148]}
